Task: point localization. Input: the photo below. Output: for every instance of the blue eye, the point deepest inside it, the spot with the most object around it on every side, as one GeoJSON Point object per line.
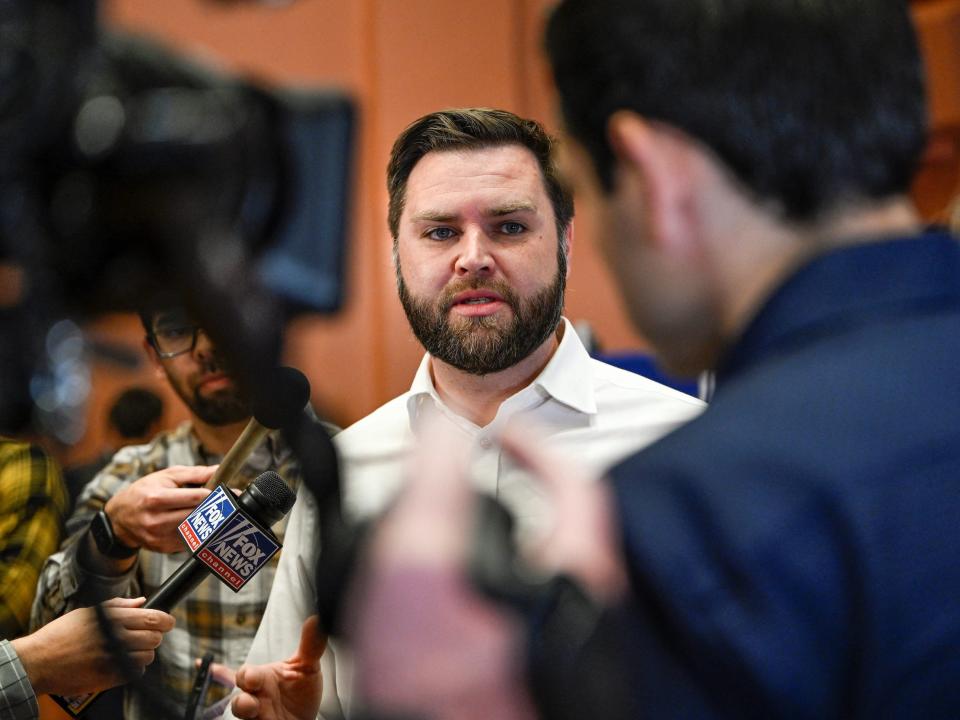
{"type": "Point", "coordinates": [441, 233]}
{"type": "Point", "coordinates": [513, 228]}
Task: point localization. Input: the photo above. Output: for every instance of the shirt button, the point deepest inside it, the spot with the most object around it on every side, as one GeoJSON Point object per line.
{"type": "Point", "coordinates": [241, 618]}
{"type": "Point", "coordinates": [485, 443]}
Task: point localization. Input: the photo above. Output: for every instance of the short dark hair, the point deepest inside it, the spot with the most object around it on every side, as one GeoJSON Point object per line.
{"type": "Point", "coordinates": [474, 129]}
{"type": "Point", "coordinates": [809, 104]}
{"type": "Point", "coordinates": [134, 411]}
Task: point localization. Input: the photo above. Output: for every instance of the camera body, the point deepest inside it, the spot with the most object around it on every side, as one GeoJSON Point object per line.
{"type": "Point", "coordinates": [129, 174]}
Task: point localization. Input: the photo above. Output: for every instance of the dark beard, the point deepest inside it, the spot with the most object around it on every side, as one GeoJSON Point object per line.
{"type": "Point", "coordinates": [479, 345]}
{"type": "Point", "coordinates": [224, 407]}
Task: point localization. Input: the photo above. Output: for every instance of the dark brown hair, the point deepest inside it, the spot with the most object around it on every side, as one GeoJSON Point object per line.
{"type": "Point", "coordinates": [475, 128]}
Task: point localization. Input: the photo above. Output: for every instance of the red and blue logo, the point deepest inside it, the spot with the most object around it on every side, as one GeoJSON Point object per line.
{"type": "Point", "coordinates": [237, 550]}
{"type": "Point", "coordinates": [209, 515]}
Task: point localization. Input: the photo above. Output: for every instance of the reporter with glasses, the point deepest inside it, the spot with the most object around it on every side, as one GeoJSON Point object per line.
{"type": "Point", "coordinates": [122, 537]}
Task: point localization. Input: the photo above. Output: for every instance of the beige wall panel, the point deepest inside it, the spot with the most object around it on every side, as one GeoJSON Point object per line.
{"type": "Point", "coordinates": [431, 55]}
{"type": "Point", "coordinates": [938, 183]}
{"type": "Point", "coordinates": [308, 42]}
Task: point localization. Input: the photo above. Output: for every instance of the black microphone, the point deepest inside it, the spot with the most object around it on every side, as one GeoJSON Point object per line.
{"type": "Point", "coordinates": [266, 500]}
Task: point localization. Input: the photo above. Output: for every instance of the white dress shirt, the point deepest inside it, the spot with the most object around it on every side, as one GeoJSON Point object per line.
{"type": "Point", "coordinates": [592, 411]}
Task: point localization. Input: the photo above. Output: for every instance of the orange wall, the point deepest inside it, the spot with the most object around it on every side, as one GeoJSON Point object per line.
{"type": "Point", "coordinates": [399, 60]}
{"type": "Point", "coordinates": [403, 58]}
{"type": "Point", "coordinates": [938, 22]}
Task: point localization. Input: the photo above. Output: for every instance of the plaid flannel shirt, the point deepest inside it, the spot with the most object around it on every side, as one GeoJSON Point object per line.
{"type": "Point", "coordinates": [33, 502]}
{"type": "Point", "coordinates": [17, 699]}
{"type": "Point", "coordinates": [213, 617]}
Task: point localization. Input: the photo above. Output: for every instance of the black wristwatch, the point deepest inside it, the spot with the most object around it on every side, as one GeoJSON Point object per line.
{"type": "Point", "coordinates": [102, 531]}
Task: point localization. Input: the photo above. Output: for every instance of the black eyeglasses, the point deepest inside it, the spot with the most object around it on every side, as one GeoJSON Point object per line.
{"type": "Point", "coordinates": [172, 341]}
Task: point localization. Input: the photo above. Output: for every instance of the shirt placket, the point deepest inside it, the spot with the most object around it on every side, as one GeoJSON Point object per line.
{"type": "Point", "coordinates": [488, 462]}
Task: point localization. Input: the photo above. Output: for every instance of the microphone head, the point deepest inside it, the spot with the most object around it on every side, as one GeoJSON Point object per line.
{"type": "Point", "coordinates": [280, 399]}
{"type": "Point", "coordinates": [268, 497]}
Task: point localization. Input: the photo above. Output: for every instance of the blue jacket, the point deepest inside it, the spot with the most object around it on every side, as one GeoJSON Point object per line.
{"type": "Point", "coordinates": [795, 551]}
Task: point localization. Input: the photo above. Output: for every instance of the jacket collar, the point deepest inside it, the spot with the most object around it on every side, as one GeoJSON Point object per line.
{"type": "Point", "coordinates": [848, 286]}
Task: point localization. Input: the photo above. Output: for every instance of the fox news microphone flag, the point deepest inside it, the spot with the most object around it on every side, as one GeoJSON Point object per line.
{"type": "Point", "coordinates": [225, 533]}
{"type": "Point", "coordinates": [229, 537]}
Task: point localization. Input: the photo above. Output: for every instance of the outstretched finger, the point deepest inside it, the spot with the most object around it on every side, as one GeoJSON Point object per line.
{"type": "Point", "coordinates": [437, 467]}
{"type": "Point", "coordinates": [312, 644]}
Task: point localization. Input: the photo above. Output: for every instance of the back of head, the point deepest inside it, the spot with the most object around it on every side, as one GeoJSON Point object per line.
{"type": "Point", "coordinates": [474, 129]}
{"type": "Point", "coordinates": [811, 104]}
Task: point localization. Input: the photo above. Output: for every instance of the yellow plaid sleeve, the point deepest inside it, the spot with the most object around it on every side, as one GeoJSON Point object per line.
{"type": "Point", "coordinates": [33, 502]}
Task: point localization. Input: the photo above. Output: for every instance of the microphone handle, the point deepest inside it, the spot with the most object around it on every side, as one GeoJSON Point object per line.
{"type": "Point", "coordinates": [237, 455]}
{"type": "Point", "coordinates": [176, 587]}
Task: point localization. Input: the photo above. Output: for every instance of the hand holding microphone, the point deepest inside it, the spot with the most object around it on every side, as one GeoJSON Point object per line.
{"type": "Point", "coordinates": [146, 513]}
{"type": "Point", "coordinates": [236, 548]}
{"type": "Point", "coordinates": [239, 546]}
{"type": "Point", "coordinates": [64, 656]}
{"type": "Point", "coordinates": [234, 545]}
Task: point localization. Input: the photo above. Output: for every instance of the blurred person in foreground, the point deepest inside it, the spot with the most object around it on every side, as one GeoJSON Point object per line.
{"type": "Point", "coordinates": [482, 231]}
{"type": "Point", "coordinates": [33, 503]}
{"type": "Point", "coordinates": [145, 492]}
{"type": "Point", "coordinates": [793, 551]}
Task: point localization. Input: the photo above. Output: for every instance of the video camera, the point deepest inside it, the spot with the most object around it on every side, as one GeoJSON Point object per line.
{"type": "Point", "coordinates": [129, 173]}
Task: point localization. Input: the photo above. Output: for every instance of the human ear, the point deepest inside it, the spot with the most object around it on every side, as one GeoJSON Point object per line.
{"type": "Point", "coordinates": [154, 359]}
{"type": "Point", "coordinates": [653, 169]}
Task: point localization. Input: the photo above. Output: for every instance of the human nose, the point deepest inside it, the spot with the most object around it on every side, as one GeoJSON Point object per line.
{"type": "Point", "coordinates": [203, 347]}
{"type": "Point", "coordinates": [474, 256]}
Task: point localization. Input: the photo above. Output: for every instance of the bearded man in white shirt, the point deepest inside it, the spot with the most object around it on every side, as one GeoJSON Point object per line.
{"type": "Point", "coordinates": [481, 228]}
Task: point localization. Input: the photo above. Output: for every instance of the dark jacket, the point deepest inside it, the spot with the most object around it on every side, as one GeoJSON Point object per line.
{"type": "Point", "coordinates": [795, 551]}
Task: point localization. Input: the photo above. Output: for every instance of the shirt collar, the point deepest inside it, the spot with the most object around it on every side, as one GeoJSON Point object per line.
{"type": "Point", "coordinates": [567, 379]}
{"type": "Point", "coordinates": [272, 452]}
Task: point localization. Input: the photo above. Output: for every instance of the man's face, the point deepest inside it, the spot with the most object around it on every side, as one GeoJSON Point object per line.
{"type": "Point", "coordinates": [199, 375]}
{"type": "Point", "coordinates": [662, 289]}
{"type": "Point", "coordinates": [479, 269]}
